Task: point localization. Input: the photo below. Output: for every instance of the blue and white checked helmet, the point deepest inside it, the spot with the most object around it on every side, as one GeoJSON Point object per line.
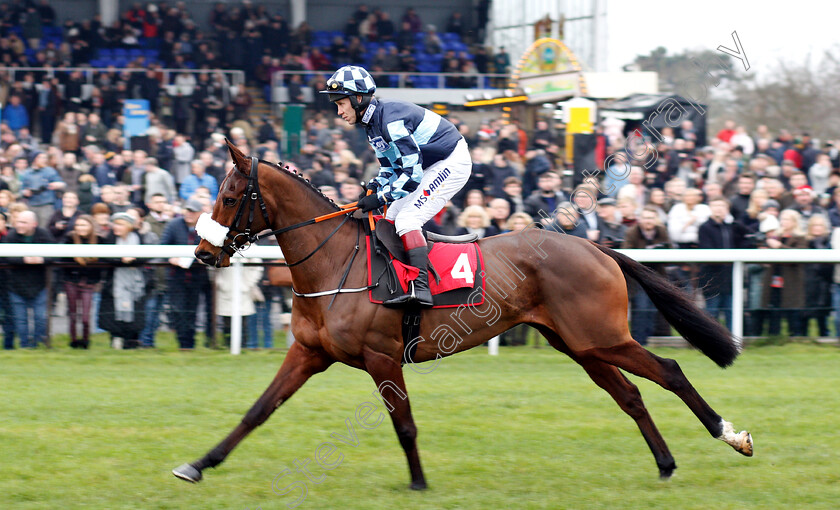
{"type": "Point", "coordinates": [349, 81]}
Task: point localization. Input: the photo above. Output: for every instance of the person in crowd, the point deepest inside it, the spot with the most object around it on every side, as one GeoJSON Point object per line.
{"type": "Point", "coordinates": [610, 231]}
{"type": "Point", "coordinates": [81, 281]}
{"type": "Point", "coordinates": [39, 185]}
{"type": "Point", "coordinates": [61, 222]}
{"type": "Point", "coordinates": [648, 233]}
{"type": "Point", "coordinates": [68, 133]}
{"type": "Point", "coordinates": [185, 280]}
{"type": "Point", "coordinates": [198, 178]}
{"type": "Point", "coordinates": [121, 310]}
{"type": "Point", "coordinates": [518, 221]}
{"type": "Point", "coordinates": [135, 175]}
{"type": "Point", "coordinates": [657, 200]}
{"type": "Point", "coordinates": [546, 197]}
{"type": "Point", "coordinates": [818, 277]}
{"type": "Point", "coordinates": [720, 231]}
{"type": "Point", "coordinates": [28, 288]}
{"type": "Point", "coordinates": [567, 220]}
{"type": "Point", "coordinates": [627, 211]}
{"type": "Point", "coordinates": [513, 194]}
{"type": "Point", "coordinates": [804, 204]}
{"type": "Point", "coordinates": [685, 218]}
{"type": "Point", "coordinates": [740, 201]}
{"type": "Point", "coordinates": [6, 309]}
{"type": "Point", "coordinates": [476, 220]}
{"type": "Point", "coordinates": [249, 292]}
{"type": "Point", "coordinates": [819, 172]}
{"type": "Point", "coordinates": [158, 182]}
{"type": "Point", "coordinates": [183, 153]}
{"type": "Point", "coordinates": [499, 210]}
{"type": "Point", "coordinates": [783, 284]}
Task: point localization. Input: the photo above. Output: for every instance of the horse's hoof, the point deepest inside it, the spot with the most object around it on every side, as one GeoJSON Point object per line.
{"type": "Point", "coordinates": [666, 472]}
{"type": "Point", "coordinates": [746, 446]}
{"type": "Point", "coordinates": [418, 486]}
{"type": "Point", "coordinates": [187, 472]}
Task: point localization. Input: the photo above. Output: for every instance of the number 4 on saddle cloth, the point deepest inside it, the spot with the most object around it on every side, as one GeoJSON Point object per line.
{"type": "Point", "coordinates": [456, 268]}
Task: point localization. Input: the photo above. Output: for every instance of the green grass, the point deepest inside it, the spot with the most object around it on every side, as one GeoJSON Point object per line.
{"type": "Point", "coordinates": [527, 429]}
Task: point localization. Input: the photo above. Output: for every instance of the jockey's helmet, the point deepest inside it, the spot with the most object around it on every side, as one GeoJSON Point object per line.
{"type": "Point", "coordinates": [350, 81]}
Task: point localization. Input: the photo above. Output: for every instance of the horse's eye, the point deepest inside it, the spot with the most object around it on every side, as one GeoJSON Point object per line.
{"type": "Point", "coordinates": [229, 202]}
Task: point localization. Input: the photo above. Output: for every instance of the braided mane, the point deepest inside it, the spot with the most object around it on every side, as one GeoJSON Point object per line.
{"type": "Point", "coordinates": [285, 168]}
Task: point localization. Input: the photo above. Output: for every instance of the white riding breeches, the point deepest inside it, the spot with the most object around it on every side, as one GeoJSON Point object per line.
{"type": "Point", "coordinates": [439, 184]}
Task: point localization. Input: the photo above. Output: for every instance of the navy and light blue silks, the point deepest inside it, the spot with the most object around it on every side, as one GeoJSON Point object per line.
{"type": "Point", "coordinates": [406, 138]}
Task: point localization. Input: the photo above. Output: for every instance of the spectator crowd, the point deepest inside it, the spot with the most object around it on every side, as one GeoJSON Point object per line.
{"type": "Point", "coordinates": [67, 176]}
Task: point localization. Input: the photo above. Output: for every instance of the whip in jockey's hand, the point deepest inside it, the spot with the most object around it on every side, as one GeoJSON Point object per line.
{"type": "Point", "coordinates": [423, 162]}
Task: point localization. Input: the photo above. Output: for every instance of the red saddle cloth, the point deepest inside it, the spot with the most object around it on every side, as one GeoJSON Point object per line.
{"type": "Point", "coordinates": [455, 264]}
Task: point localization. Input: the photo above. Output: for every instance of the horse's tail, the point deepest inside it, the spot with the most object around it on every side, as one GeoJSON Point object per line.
{"type": "Point", "coordinates": [700, 329]}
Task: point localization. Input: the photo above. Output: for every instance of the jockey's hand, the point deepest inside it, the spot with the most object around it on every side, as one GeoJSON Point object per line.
{"type": "Point", "coordinates": [369, 203]}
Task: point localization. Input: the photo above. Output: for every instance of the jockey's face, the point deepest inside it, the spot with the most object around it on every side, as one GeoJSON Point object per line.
{"type": "Point", "coordinates": [345, 110]}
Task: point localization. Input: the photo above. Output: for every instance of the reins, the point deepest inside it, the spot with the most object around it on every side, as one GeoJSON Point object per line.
{"type": "Point", "coordinates": [253, 197]}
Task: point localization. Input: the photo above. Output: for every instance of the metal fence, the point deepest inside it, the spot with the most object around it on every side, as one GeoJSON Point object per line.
{"type": "Point", "coordinates": [738, 258]}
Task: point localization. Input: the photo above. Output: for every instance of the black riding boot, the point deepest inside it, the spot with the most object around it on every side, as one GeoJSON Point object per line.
{"type": "Point", "coordinates": [418, 289]}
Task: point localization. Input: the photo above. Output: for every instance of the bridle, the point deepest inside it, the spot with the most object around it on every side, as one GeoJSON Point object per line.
{"type": "Point", "coordinates": [239, 239]}
{"type": "Point", "coordinates": [251, 197]}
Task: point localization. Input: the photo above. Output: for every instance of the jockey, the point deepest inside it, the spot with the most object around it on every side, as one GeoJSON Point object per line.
{"type": "Point", "coordinates": [423, 162]}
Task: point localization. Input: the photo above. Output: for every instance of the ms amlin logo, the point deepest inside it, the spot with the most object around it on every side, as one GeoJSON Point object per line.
{"type": "Point", "coordinates": [433, 186]}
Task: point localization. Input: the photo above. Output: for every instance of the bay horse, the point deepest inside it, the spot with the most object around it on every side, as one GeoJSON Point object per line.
{"type": "Point", "coordinates": [570, 289]}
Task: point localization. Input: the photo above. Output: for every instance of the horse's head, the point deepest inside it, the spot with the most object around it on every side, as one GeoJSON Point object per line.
{"type": "Point", "coordinates": [237, 215]}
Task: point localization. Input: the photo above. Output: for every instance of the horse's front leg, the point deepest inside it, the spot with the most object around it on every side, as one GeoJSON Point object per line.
{"type": "Point", "coordinates": [300, 364]}
{"type": "Point", "coordinates": [388, 376]}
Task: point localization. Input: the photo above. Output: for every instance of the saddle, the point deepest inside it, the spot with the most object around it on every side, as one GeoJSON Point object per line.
{"type": "Point", "coordinates": [455, 267]}
{"type": "Point", "coordinates": [456, 274]}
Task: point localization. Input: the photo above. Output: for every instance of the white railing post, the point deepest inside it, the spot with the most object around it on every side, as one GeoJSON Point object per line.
{"type": "Point", "coordinates": [493, 346]}
{"type": "Point", "coordinates": [236, 310]}
{"type": "Point", "coordinates": [737, 299]}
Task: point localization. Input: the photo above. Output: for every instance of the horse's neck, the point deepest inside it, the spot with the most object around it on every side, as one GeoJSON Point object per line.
{"type": "Point", "coordinates": [304, 204]}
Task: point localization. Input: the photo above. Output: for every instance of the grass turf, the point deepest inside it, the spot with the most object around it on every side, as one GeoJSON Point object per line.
{"type": "Point", "coordinates": [527, 429]}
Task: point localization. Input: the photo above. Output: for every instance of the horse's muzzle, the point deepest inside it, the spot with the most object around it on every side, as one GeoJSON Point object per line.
{"type": "Point", "coordinates": [206, 257]}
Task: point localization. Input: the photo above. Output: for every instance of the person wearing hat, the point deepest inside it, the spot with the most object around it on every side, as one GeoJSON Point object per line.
{"type": "Point", "coordinates": [609, 227]}
{"type": "Point", "coordinates": [423, 162]}
{"type": "Point", "coordinates": [803, 203]}
{"type": "Point", "coordinates": [38, 185]}
{"type": "Point", "coordinates": [185, 281]}
{"type": "Point", "coordinates": [122, 305]}
{"type": "Point", "coordinates": [769, 216]}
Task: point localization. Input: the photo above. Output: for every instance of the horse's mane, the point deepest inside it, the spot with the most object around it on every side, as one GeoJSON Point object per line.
{"type": "Point", "coordinates": [285, 168]}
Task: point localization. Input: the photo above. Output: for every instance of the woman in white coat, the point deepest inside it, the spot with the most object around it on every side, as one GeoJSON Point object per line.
{"type": "Point", "coordinates": [248, 293]}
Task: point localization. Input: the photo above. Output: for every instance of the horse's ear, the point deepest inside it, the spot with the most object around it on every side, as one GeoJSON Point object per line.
{"type": "Point", "coordinates": [239, 159]}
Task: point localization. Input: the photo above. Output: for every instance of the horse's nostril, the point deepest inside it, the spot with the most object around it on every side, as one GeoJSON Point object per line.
{"type": "Point", "coordinates": [205, 256]}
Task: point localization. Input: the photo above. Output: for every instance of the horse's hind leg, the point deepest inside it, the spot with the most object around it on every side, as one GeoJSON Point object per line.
{"type": "Point", "coordinates": [628, 398]}
{"type": "Point", "coordinates": [635, 359]}
{"type": "Point", "coordinates": [298, 366]}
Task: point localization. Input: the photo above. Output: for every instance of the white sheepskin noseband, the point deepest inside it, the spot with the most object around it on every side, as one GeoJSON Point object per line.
{"type": "Point", "coordinates": [211, 231]}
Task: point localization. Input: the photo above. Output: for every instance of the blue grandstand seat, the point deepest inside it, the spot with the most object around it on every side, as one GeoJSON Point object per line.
{"type": "Point", "coordinates": [104, 53]}
{"type": "Point", "coordinates": [150, 53]}
{"type": "Point", "coordinates": [120, 52]}
{"type": "Point", "coordinates": [52, 31]}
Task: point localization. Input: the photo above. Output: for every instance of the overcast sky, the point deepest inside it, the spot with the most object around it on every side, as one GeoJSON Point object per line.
{"type": "Point", "coordinates": [767, 29]}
